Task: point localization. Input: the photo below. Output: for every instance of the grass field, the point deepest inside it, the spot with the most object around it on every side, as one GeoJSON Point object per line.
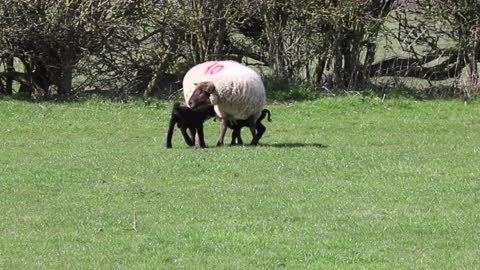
{"type": "Point", "coordinates": [338, 183]}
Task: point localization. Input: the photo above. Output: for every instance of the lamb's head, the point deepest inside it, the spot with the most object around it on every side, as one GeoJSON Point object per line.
{"type": "Point", "coordinates": [201, 94]}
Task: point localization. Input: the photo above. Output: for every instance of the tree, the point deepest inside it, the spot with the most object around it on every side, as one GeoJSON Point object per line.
{"type": "Point", "coordinates": [353, 27]}
{"type": "Point", "coordinates": [322, 36]}
{"type": "Point", "coordinates": [8, 65]}
{"type": "Point", "coordinates": [50, 37]}
{"type": "Point", "coordinates": [443, 32]}
{"type": "Point", "coordinates": [172, 36]}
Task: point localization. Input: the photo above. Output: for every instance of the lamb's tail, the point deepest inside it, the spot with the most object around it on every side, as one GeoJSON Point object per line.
{"type": "Point", "coordinates": [264, 113]}
{"type": "Point", "coordinates": [177, 112]}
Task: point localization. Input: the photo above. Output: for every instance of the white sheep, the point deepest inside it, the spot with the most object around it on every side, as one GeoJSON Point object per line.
{"type": "Point", "coordinates": [236, 91]}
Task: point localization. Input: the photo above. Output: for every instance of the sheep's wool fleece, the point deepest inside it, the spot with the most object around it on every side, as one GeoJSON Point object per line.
{"type": "Point", "coordinates": [241, 93]}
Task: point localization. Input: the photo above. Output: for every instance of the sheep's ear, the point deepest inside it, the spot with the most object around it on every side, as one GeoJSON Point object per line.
{"type": "Point", "coordinates": [207, 87]}
{"type": "Point", "coordinates": [210, 88]}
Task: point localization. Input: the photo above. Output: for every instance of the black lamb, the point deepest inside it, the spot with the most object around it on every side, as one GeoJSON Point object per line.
{"type": "Point", "coordinates": [192, 119]}
{"type": "Point", "coordinates": [238, 124]}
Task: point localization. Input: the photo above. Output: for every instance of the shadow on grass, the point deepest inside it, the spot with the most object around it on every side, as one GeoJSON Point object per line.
{"type": "Point", "coordinates": [293, 145]}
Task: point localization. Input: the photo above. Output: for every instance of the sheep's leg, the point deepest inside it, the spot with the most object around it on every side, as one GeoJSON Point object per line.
{"type": "Point", "coordinates": [223, 130]}
{"type": "Point", "coordinates": [253, 129]}
{"type": "Point", "coordinates": [196, 138]}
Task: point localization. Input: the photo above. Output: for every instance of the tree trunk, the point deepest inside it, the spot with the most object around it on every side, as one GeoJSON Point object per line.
{"type": "Point", "coordinates": [220, 38]}
{"type": "Point", "coordinates": [275, 22]}
{"type": "Point", "coordinates": [217, 30]}
{"type": "Point", "coordinates": [319, 70]}
{"type": "Point", "coordinates": [9, 78]}
{"type": "Point", "coordinates": [159, 72]}
{"type": "Point", "coordinates": [473, 61]}
{"type": "Point", "coordinates": [65, 87]}
{"type": "Point", "coordinates": [36, 79]}
{"type": "Point", "coordinates": [337, 63]}
{"type": "Point", "coordinates": [369, 58]}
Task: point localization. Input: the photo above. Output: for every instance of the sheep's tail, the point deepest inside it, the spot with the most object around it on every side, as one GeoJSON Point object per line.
{"type": "Point", "coordinates": [264, 113]}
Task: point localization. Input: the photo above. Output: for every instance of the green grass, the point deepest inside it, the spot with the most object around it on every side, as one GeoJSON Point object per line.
{"type": "Point", "coordinates": [339, 183]}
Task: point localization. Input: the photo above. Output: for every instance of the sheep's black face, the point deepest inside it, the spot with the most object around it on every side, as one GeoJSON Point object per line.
{"type": "Point", "coordinates": [199, 98]}
{"type": "Point", "coordinates": [201, 95]}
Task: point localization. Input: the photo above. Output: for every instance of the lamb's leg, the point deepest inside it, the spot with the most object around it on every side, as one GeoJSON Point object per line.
{"type": "Point", "coordinates": [260, 130]}
{"type": "Point", "coordinates": [190, 140]}
{"type": "Point", "coordinates": [171, 128]}
{"type": "Point", "coordinates": [236, 137]}
{"type": "Point", "coordinates": [223, 130]}
{"type": "Point", "coordinates": [253, 129]}
{"type": "Point", "coordinates": [201, 138]}
{"type": "Point", "coordinates": [239, 135]}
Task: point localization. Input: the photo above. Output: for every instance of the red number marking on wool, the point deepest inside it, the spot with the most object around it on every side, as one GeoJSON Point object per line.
{"type": "Point", "coordinates": [214, 68]}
